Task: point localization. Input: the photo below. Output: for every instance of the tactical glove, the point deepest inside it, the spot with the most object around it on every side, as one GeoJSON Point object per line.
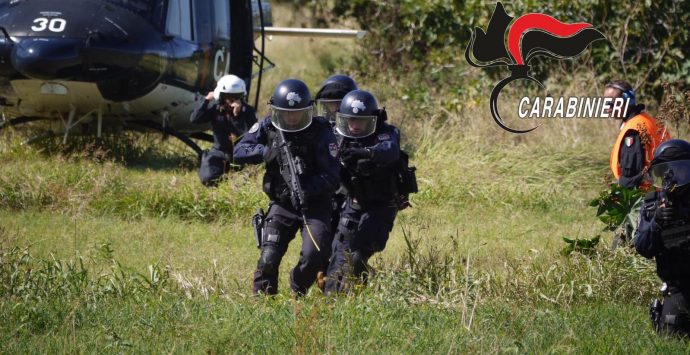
{"type": "Point", "coordinates": [349, 155]}
{"type": "Point", "coordinates": [270, 154]}
{"type": "Point", "coordinates": [666, 215]}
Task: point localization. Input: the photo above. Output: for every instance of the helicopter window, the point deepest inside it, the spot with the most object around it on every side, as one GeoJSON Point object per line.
{"type": "Point", "coordinates": [203, 19]}
{"type": "Point", "coordinates": [180, 19]}
{"type": "Point", "coordinates": [150, 10]}
{"type": "Point", "coordinates": [221, 24]}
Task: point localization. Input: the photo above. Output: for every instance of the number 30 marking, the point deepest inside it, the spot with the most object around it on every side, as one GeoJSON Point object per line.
{"type": "Point", "coordinates": [53, 25]}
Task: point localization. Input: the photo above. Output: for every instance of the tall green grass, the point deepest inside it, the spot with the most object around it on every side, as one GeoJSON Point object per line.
{"type": "Point", "coordinates": [430, 300]}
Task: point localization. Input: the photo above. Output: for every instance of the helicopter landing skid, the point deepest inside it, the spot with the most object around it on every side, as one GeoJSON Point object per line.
{"type": "Point", "coordinates": [166, 130]}
{"type": "Point", "coordinates": [19, 121]}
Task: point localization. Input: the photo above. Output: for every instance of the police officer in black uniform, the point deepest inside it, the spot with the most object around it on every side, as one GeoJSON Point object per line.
{"type": "Point", "coordinates": [230, 117]}
{"type": "Point", "coordinates": [369, 152]}
{"type": "Point", "coordinates": [328, 100]}
{"type": "Point", "coordinates": [313, 147]}
{"type": "Point", "coordinates": [331, 94]}
{"type": "Point", "coordinates": [664, 234]}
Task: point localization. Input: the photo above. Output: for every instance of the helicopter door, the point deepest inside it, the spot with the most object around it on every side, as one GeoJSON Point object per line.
{"type": "Point", "coordinates": [206, 54]}
{"type": "Point", "coordinates": [180, 27]}
{"type": "Point", "coordinates": [220, 64]}
{"type": "Point", "coordinates": [242, 43]}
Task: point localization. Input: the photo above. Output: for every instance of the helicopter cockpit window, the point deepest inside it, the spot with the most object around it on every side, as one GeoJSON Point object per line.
{"type": "Point", "coordinates": [150, 10]}
{"type": "Point", "coordinates": [203, 20]}
{"type": "Point", "coordinates": [221, 23]}
{"type": "Point", "coordinates": [179, 22]}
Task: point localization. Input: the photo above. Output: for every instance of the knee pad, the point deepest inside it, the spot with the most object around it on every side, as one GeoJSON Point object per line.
{"type": "Point", "coordinates": [269, 261]}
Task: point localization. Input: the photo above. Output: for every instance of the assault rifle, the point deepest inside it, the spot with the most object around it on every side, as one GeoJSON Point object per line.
{"type": "Point", "coordinates": [291, 168]}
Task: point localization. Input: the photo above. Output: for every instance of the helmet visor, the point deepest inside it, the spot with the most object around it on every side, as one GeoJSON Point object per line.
{"type": "Point", "coordinates": [327, 108]}
{"type": "Point", "coordinates": [291, 120]}
{"type": "Point", "coordinates": [670, 174]}
{"type": "Point", "coordinates": [354, 126]}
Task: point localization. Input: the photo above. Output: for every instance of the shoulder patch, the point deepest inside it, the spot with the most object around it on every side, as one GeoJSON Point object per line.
{"type": "Point", "coordinates": [384, 137]}
{"type": "Point", "coordinates": [629, 141]}
{"type": "Point", "coordinates": [254, 128]}
{"type": "Point", "coordinates": [333, 149]}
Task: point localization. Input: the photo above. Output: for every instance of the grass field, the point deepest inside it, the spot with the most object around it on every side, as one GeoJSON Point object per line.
{"type": "Point", "coordinates": [127, 252]}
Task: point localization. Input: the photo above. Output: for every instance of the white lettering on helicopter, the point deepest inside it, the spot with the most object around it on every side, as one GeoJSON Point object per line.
{"type": "Point", "coordinates": [50, 13]}
{"type": "Point", "coordinates": [222, 57]}
{"type": "Point", "coordinates": [53, 25]}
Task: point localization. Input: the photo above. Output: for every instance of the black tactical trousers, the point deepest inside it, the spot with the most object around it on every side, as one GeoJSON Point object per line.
{"type": "Point", "coordinates": [213, 165]}
{"type": "Point", "coordinates": [675, 315]}
{"type": "Point", "coordinates": [361, 233]}
{"type": "Point", "coordinates": [281, 226]}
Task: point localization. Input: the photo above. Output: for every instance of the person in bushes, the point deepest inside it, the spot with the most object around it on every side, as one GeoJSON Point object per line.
{"type": "Point", "coordinates": [640, 134]}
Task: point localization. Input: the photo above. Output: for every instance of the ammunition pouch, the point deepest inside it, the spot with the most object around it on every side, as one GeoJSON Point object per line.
{"type": "Point", "coordinates": [380, 188]}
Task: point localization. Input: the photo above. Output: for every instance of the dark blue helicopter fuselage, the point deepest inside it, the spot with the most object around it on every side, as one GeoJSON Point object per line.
{"type": "Point", "coordinates": [141, 57]}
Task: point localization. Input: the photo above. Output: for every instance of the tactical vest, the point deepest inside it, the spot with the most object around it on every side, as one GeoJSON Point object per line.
{"type": "Point", "coordinates": [366, 181]}
{"type": "Point", "coordinates": [301, 145]}
{"type": "Point", "coordinates": [643, 122]}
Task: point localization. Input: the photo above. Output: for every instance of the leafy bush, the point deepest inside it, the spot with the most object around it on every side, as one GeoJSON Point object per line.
{"type": "Point", "coordinates": [647, 41]}
{"type": "Point", "coordinates": [615, 204]}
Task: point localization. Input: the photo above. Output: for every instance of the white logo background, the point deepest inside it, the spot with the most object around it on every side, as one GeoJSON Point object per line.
{"type": "Point", "coordinates": [293, 98]}
{"type": "Point", "coordinates": [358, 105]}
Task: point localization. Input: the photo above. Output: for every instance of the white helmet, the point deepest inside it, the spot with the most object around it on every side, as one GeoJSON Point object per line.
{"type": "Point", "coordinates": [229, 84]}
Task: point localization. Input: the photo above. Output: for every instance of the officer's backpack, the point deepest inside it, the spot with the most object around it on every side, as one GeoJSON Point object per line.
{"type": "Point", "coordinates": [407, 180]}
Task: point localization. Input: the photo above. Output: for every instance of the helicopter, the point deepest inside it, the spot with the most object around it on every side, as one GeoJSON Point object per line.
{"type": "Point", "coordinates": [97, 67]}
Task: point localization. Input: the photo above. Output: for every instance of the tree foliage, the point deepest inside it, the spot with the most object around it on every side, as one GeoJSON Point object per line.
{"type": "Point", "coordinates": [648, 41]}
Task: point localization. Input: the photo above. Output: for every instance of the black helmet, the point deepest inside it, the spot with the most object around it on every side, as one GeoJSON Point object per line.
{"type": "Point", "coordinates": [331, 93]}
{"type": "Point", "coordinates": [291, 106]}
{"type": "Point", "coordinates": [357, 115]}
{"type": "Point", "coordinates": [670, 167]}
{"type": "Point", "coordinates": [341, 79]}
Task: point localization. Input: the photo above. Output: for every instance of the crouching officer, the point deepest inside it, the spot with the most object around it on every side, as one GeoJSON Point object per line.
{"type": "Point", "coordinates": [369, 152]}
{"type": "Point", "coordinates": [230, 117]}
{"type": "Point", "coordinates": [302, 172]}
{"type": "Point", "coordinates": [664, 234]}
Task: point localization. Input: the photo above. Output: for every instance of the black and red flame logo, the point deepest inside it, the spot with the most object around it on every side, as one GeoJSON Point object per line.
{"type": "Point", "coordinates": [529, 36]}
